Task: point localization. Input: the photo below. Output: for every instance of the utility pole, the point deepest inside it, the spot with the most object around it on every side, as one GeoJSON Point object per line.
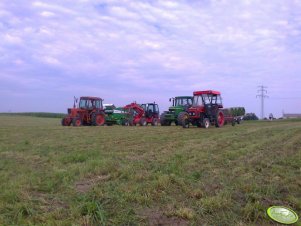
{"type": "Point", "coordinates": [262, 91]}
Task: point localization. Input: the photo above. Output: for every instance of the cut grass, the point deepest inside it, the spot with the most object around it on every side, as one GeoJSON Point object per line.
{"type": "Point", "coordinates": [56, 175]}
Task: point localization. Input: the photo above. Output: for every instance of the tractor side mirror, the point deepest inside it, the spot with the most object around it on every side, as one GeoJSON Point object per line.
{"type": "Point", "coordinates": [169, 99]}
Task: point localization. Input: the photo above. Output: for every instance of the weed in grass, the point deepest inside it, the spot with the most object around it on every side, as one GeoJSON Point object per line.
{"type": "Point", "coordinates": [92, 211]}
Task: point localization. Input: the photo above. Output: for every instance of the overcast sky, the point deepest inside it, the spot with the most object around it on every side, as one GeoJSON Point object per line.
{"type": "Point", "coordinates": [149, 50]}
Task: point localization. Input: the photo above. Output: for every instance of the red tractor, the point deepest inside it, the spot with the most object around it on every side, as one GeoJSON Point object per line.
{"type": "Point", "coordinates": [143, 114]}
{"type": "Point", "coordinates": [89, 112]}
{"type": "Point", "coordinates": [206, 110]}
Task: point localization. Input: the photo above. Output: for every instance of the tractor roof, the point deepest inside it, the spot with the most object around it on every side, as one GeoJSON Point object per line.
{"type": "Point", "coordinates": [90, 98]}
{"type": "Point", "coordinates": [206, 92]}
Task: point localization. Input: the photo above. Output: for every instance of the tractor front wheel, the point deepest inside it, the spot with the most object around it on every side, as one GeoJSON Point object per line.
{"type": "Point", "coordinates": [179, 120]}
{"type": "Point", "coordinates": [220, 119]}
{"type": "Point", "coordinates": [142, 122]}
{"type": "Point", "coordinates": [77, 121]}
{"type": "Point", "coordinates": [206, 123]}
{"type": "Point", "coordinates": [155, 122]}
{"type": "Point", "coordinates": [183, 119]}
{"type": "Point", "coordinates": [66, 122]}
{"type": "Point", "coordinates": [98, 119]}
{"type": "Point", "coordinates": [163, 121]}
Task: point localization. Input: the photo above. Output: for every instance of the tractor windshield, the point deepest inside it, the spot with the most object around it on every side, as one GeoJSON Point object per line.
{"type": "Point", "coordinates": [197, 101]}
{"type": "Point", "coordinates": [152, 108]}
{"type": "Point", "coordinates": [183, 101]}
{"type": "Point", "coordinates": [90, 103]}
{"type": "Point", "coordinates": [212, 99]}
{"type": "Point", "coordinates": [207, 98]}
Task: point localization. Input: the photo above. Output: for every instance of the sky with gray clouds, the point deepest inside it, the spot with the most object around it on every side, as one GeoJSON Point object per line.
{"type": "Point", "coordinates": [147, 50]}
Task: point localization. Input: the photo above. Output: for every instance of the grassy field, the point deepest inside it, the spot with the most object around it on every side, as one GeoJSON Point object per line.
{"type": "Point", "coordinates": [54, 175]}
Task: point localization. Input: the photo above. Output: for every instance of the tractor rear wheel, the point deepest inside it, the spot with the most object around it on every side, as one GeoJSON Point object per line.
{"type": "Point", "coordinates": [77, 121]}
{"type": "Point", "coordinates": [219, 119]}
{"type": "Point", "coordinates": [154, 122]}
{"type": "Point", "coordinates": [98, 119]}
{"type": "Point", "coordinates": [66, 122]}
{"type": "Point", "coordinates": [183, 119]}
{"type": "Point", "coordinates": [206, 123]}
{"type": "Point", "coordinates": [142, 122]}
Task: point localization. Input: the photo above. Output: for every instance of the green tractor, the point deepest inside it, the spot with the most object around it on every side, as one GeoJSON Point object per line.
{"type": "Point", "coordinates": [179, 106]}
{"type": "Point", "coordinates": [115, 115]}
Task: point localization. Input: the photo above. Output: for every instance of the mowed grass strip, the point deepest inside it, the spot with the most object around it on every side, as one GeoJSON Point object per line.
{"type": "Point", "coordinates": [115, 175]}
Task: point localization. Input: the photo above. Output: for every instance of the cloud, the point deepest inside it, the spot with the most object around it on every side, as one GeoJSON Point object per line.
{"type": "Point", "coordinates": [160, 47]}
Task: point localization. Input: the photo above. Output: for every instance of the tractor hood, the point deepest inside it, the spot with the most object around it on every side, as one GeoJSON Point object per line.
{"type": "Point", "coordinates": [175, 108]}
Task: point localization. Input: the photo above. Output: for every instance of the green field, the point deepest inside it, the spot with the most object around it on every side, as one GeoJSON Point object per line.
{"type": "Point", "coordinates": [54, 175]}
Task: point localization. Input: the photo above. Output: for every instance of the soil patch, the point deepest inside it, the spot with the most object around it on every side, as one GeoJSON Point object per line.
{"type": "Point", "coordinates": [85, 185]}
{"type": "Point", "coordinates": [158, 218]}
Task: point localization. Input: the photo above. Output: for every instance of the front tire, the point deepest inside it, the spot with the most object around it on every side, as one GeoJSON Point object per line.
{"type": "Point", "coordinates": [66, 122]}
{"type": "Point", "coordinates": [155, 122]}
{"type": "Point", "coordinates": [183, 119]}
{"type": "Point", "coordinates": [163, 121]}
{"type": "Point", "coordinates": [206, 123]}
{"type": "Point", "coordinates": [77, 121]}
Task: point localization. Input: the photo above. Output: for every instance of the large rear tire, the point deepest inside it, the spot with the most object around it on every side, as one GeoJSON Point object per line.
{"type": "Point", "coordinates": [98, 119]}
{"type": "Point", "coordinates": [77, 121]}
{"type": "Point", "coordinates": [219, 119]}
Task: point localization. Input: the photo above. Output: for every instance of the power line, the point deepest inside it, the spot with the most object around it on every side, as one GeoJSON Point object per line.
{"type": "Point", "coordinates": [262, 91]}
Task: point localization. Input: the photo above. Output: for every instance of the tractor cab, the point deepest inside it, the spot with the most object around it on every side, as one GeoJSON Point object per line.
{"type": "Point", "coordinates": [90, 103]}
{"type": "Point", "coordinates": [151, 110]}
{"type": "Point", "coordinates": [207, 101]}
{"type": "Point", "coordinates": [182, 101]}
